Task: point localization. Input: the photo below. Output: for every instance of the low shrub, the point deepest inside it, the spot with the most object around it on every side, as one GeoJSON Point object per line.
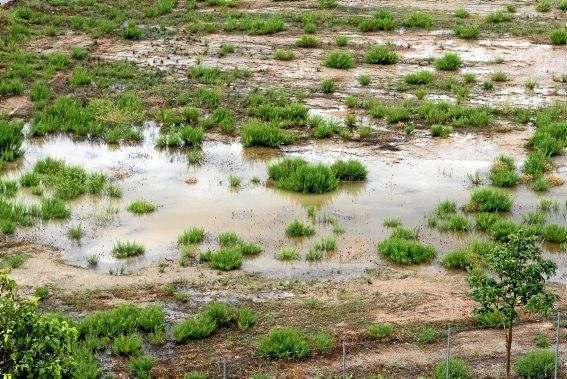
{"type": "Point", "coordinates": [536, 364]}
{"type": "Point", "coordinates": [194, 328]}
{"type": "Point", "coordinates": [285, 343]}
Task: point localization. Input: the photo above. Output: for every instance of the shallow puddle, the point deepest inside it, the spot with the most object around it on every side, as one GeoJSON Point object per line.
{"type": "Point", "coordinates": [406, 184]}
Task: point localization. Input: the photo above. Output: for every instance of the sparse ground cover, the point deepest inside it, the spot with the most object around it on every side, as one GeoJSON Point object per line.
{"type": "Point", "coordinates": [229, 163]}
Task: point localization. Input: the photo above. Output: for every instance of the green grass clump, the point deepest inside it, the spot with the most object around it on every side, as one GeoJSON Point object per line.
{"type": "Point", "coordinates": [489, 200]}
{"type": "Point", "coordinates": [558, 36]}
{"type": "Point", "coordinates": [341, 41]}
{"type": "Point", "coordinates": [141, 206]}
{"type": "Point", "coordinates": [11, 140]}
{"type": "Point", "coordinates": [467, 31]}
{"type": "Point", "coordinates": [12, 87]}
{"type": "Point", "coordinates": [543, 5]}
{"type": "Point", "coordinates": [381, 20]}
{"type": "Point", "coordinates": [380, 331]}
{"type": "Point", "coordinates": [403, 251]}
{"type": "Point", "coordinates": [340, 60]}
{"type": "Point", "coordinates": [405, 233]}
{"type": "Point", "coordinates": [299, 229]}
{"type": "Point", "coordinates": [328, 85]}
{"type": "Point", "coordinates": [127, 344]}
{"type": "Point", "coordinates": [455, 223]}
{"type": "Point", "coordinates": [54, 209]}
{"type": "Point", "coordinates": [503, 172]}
{"type": "Point", "coordinates": [380, 55]}
{"type": "Point", "coordinates": [80, 77]}
{"type": "Point", "coordinates": [313, 255]}
{"type": "Point", "coordinates": [256, 25]}
{"type": "Point", "coordinates": [419, 78]}
{"type": "Point", "coordinates": [228, 239]}
{"type": "Point", "coordinates": [328, 4]}
{"type": "Point", "coordinates": [442, 131]}
{"type": "Point", "coordinates": [325, 244]}
{"type": "Point", "coordinates": [288, 254]}
{"type": "Point", "coordinates": [418, 20]}
{"type": "Point", "coordinates": [536, 364]}
{"type": "Point", "coordinates": [492, 319]}
{"type": "Point", "coordinates": [194, 328]}
{"type": "Point", "coordinates": [79, 53]}
{"type": "Point", "coordinates": [226, 259]}
{"type": "Point", "coordinates": [307, 41]}
{"type": "Point", "coordinates": [562, 5]}
{"type": "Point", "coordinates": [76, 232]}
{"type": "Point", "coordinates": [364, 79]}
{"type": "Point", "coordinates": [427, 335]}
{"type": "Point", "coordinates": [140, 366]}
{"type": "Point", "coordinates": [350, 170]}
{"type": "Point", "coordinates": [498, 17]}
{"type": "Point", "coordinates": [554, 233]}
{"type": "Point", "coordinates": [285, 343]}
{"type": "Point", "coordinates": [449, 62]}
{"type": "Point", "coordinates": [462, 13]}
{"type": "Point", "coordinates": [458, 369]}
{"type": "Point", "coordinates": [132, 32]}
{"type": "Point", "coordinates": [456, 115]}
{"type": "Point", "coordinates": [39, 93]}
{"type": "Point", "coordinates": [295, 174]}
{"type": "Point", "coordinates": [234, 181]}
{"type": "Point", "coordinates": [502, 228]}
{"type": "Point", "coordinates": [250, 248]}
{"type": "Point", "coordinates": [257, 133]}
{"type": "Point", "coordinates": [191, 236]}
{"type": "Point", "coordinates": [392, 222]}
{"type": "Point", "coordinates": [127, 249]}
{"type": "Point", "coordinates": [460, 259]}
{"type": "Point", "coordinates": [284, 55]}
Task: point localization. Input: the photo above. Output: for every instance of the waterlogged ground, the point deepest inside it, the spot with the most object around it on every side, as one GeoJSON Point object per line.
{"type": "Point", "coordinates": [407, 183]}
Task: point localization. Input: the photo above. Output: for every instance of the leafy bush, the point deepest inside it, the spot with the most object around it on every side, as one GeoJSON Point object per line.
{"type": "Point", "coordinates": [380, 55]}
{"type": "Point", "coordinates": [285, 343]}
{"type": "Point", "coordinates": [339, 59]}
{"type": "Point", "coordinates": [536, 364]}
{"type": "Point", "coordinates": [489, 200]}
{"type": "Point", "coordinates": [458, 369]}
{"type": "Point", "coordinates": [27, 336]}
{"type": "Point", "coordinates": [449, 62]}
{"type": "Point", "coordinates": [403, 251]}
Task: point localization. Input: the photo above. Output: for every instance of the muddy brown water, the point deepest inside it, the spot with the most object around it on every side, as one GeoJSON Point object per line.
{"type": "Point", "coordinates": [407, 184]}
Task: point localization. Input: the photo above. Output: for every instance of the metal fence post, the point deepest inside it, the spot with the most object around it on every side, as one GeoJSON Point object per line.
{"type": "Point", "coordinates": [344, 360]}
{"type": "Point", "coordinates": [225, 368]}
{"type": "Point", "coordinates": [556, 372]}
{"type": "Point", "coordinates": [448, 353]}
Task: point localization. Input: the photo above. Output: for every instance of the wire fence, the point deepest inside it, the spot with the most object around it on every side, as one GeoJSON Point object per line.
{"type": "Point", "coordinates": [337, 364]}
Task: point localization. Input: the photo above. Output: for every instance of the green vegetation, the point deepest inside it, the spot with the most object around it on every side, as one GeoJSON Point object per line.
{"type": "Point", "coordinates": [328, 86]}
{"type": "Point", "coordinates": [380, 55]}
{"type": "Point", "coordinates": [127, 249]}
{"type": "Point", "coordinates": [141, 206]}
{"type": "Point", "coordinates": [308, 41]}
{"type": "Point", "coordinates": [380, 331]}
{"type": "Point", "coordinates": [418, 20]}
{"type": "Point", "coordinates": [457, 369]}
{"type": "Point", "coordinates": [339, 59]}
{"type": "Point", "coordinates": [288, 254]}
{"type": "Point", "coordinates": [350, 170]}
{"type": "Point", "coordinates": [419, 78]}
{"type": "Point", "coordinates": [257, 133]}
{"type": "Point", "coordinates": [341, 41]}
{"type": "Point", "coordinates": [536, 364]}
{"type": "Point", "coordinates": [226, 259]}
{"type": "Point", "coordinates": [285, 343]}
{"type": "Point", "coordinates": [489, 200]}
{"type": "Point", "coordinates": [284, 55]}
{"type": "Point", "coordinates": [503, 172]}
{"type": "Point", "coordinates": [442, 131]}
{"type": "Point", "coordinates": [467, 31]}
{"type": "Point", "coordinates": [404, 251]}
{"type": "Point", "coordinates": [517, 278]}
{"type": "Point", "coordinates": [299, 229]}
{"type": "Point", "coordinates": [427, 335]}
{"type": "Point", "coordinates": [381, 20]}
{"type": "Point", "coordinates": [449, 62]}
